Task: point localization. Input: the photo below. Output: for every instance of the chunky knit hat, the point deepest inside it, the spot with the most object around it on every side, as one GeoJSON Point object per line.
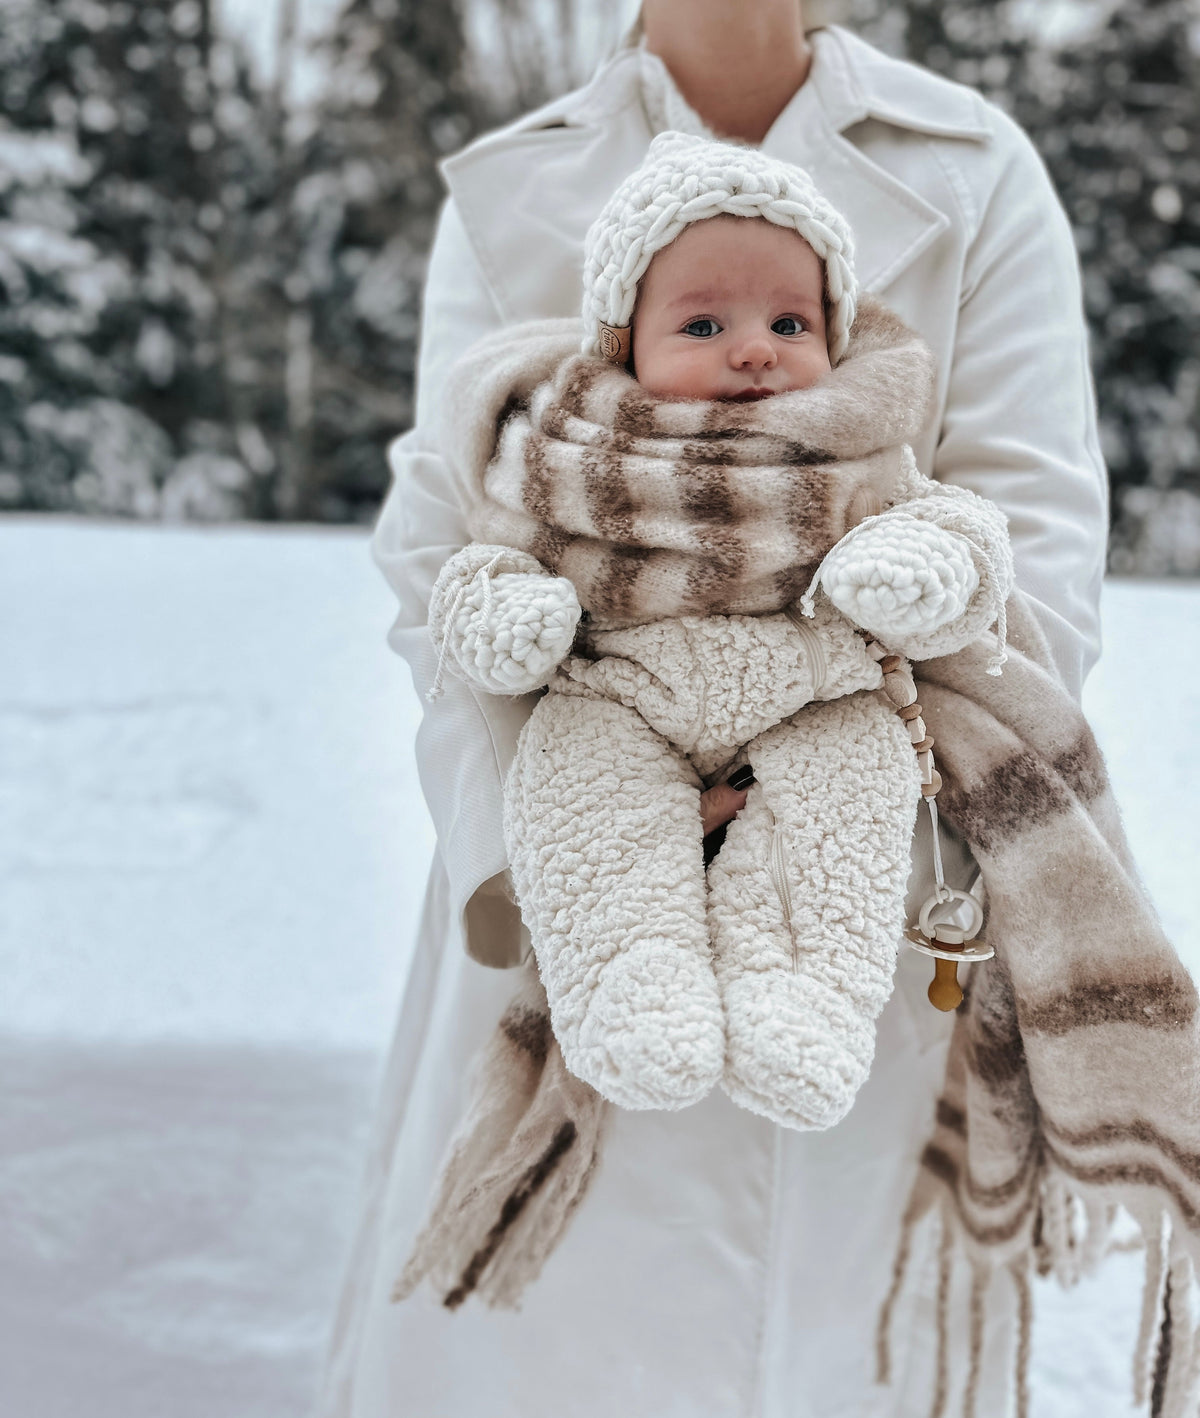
{"type": "Point", "coordinates": [685, 179]}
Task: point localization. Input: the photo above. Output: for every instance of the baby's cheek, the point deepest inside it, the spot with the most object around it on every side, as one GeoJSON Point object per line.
{"type": "Point", "coordinates": [695, 374]}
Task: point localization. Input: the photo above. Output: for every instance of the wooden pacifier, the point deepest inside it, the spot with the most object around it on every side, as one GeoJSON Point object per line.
{"type": "Point", "coordinates": [949, 944]}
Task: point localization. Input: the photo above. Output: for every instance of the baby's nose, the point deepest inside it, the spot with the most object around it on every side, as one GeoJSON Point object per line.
{"type": "Point", "coordinates": [754, 352]}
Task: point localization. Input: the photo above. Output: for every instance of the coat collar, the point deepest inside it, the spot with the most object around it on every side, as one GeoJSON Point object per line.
{"type": "Point", "coordinates": [528, 193]}
{"type": "Point", "coordinates": [855, 82]}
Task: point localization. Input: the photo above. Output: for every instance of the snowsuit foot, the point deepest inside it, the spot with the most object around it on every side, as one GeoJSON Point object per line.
{"type": "Point", "coordinates": [806, 907]}
{"type": "Point", "coordinates": [603, 829]}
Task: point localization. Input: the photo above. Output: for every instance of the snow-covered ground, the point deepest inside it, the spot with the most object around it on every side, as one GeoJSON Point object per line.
{"type": "Point", "coordinates": [212, 852]}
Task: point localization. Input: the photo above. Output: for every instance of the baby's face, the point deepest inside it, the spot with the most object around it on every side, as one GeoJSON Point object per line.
{"type": "Point", "coordinates": [733, 309]}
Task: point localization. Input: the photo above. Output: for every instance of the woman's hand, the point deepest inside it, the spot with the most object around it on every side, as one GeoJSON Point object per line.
{"type": "Point", "coordinates": [723, 801]}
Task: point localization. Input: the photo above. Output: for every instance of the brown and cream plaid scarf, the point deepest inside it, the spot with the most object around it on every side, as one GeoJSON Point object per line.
{"type": "Point", "coordinates": [1072, 1092]}
{"type": "Point", "coordinates": [657, 507]}
{"type": "Point", "coordinates": [1073, 1082]}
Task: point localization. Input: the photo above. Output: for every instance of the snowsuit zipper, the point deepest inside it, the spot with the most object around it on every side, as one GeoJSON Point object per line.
{"type": "Point", "coordinates": [778, 868]}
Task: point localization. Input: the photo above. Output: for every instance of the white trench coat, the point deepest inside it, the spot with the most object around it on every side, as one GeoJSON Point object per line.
{"type": "Point", "coordinates": [719, 1267]}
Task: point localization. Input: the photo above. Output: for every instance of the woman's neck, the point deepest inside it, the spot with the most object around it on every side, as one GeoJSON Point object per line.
{"type": "Point", "coordinates": [736, 62]}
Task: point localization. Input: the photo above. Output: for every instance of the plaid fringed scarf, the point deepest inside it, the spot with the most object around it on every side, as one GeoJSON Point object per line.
{"type": "Point", "coordinates": [1073, 1083]}
{"type": "Point", "coordinates": [1072, 1090]}
{"type": "Point", "coordinates": [656, 507]}
{"type": "Point", "coordinates": [517, 1167]}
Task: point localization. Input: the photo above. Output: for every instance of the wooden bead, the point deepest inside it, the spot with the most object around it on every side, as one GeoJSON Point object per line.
{"type": "Point", "coordinates": [910, 711]}
{"type": "Point", "coordinates": [890, 663]}
{"type": "Point", "coordinates": [924, 746]}
{"type": "Point", "coordinates": [875, 650]}
{"type": "Point", "coordinates": [900, 691]}
{"type": "Point", "coordinates": [929, 790]}
{"type": "Point", "coordinates": [916, 730]}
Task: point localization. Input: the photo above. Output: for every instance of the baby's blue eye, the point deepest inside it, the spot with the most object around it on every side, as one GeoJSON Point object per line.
{"type": "Point", "coordinates": [704, 328]}
{"type": "Point", "coordinates": [788, 325]}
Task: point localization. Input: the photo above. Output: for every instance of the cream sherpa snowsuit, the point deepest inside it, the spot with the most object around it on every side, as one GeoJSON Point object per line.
{"type": "Point", "coordinates": [769, 974]}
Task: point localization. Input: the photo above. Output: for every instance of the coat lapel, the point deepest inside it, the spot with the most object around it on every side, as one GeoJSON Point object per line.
{"type": "Point", "coordinates": [892, 224]}
{"type": "Point", "coordinates": [528, 194]}
{"type": "Point", "coordinates": [851, 83]}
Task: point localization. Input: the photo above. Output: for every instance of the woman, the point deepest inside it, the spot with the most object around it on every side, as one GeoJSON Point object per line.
{"type": "Point", "coordinates": [718, 1265]}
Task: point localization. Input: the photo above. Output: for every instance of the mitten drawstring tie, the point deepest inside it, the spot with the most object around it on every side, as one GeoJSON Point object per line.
{"type": "Point", "coordinates": [806, 600]}
{"type": "Point", "coordinates": [436, 690]}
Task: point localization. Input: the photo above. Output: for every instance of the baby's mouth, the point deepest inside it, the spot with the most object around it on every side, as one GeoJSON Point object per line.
{"type": "Point", "coordinates": [749, 396]}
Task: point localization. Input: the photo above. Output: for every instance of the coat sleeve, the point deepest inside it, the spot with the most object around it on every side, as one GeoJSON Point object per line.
{"type": "Point", "coordinates": [1020, 364]}
{"type": "Point", "coordinates": [465, 740]}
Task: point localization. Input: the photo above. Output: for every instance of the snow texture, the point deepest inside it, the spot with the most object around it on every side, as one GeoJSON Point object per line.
{"type": "Point", "coordinates": [212, 854]}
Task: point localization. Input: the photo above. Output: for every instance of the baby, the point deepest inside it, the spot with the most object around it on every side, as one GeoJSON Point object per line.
{"type": "Point", "coordinates": [734, 434]}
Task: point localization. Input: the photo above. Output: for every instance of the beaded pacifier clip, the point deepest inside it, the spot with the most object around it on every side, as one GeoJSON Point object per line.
{"type": "Point", "coordinates": [948, 943]}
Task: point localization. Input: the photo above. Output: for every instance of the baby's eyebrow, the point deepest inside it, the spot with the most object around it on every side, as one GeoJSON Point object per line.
{"type": "Point", "coordinates": [708, 295]}
{"type": "Point", "coordinates": [694, 298]}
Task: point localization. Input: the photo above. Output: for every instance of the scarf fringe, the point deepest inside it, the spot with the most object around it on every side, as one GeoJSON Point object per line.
{"type": "Point", "coordinates": [979, 1285]}
{"type": "Point", "coordinates": [515, 1171]}
{"type": "Point", "coordinates": [1175, 1392]}
{"type": "Point", "coordinates": [1152, 1303]}
{"type": "Point", "coordinates": [1075, 1235]}
{"type": "Point", "coordinates": [1021, 1275]}
{"type": "Point", "coordinates": [941, 1387]}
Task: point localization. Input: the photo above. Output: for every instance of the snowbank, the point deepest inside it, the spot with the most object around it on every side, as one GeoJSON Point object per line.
{"type": "Point", "coordinates": [212, 852]}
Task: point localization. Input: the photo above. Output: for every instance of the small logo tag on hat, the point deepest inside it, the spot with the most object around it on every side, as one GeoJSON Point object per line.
{"type": "Point", "coordinates": [614, 343]}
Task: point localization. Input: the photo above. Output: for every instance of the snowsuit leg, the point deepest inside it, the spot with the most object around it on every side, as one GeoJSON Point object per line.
{"type": "Point", "coordinates": [806, 907]}
{"type": "Point", "coordinates": [603, 829]}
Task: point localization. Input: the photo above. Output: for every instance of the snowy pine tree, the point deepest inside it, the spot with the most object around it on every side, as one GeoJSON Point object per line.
{"type": "Point", "coordinates": [407, 84]}
{"type": "Point", "coordinates": [362, 211]}
{"type": "Point", "coordinates": [1110, 95]}
{"type": "Point", "coordinates": [114, 394]}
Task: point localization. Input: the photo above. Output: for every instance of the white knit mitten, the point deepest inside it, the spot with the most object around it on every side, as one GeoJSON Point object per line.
{"type": "Point", "coordinates": [502, 618]}
{"type": "Point", "coordinates": [928, 575]}
{"type": "Point", "coordinates": [898, 576]}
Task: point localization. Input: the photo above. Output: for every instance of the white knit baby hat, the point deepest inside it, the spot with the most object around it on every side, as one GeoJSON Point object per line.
{"type": "Point", "coordinates": [686, 179]}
